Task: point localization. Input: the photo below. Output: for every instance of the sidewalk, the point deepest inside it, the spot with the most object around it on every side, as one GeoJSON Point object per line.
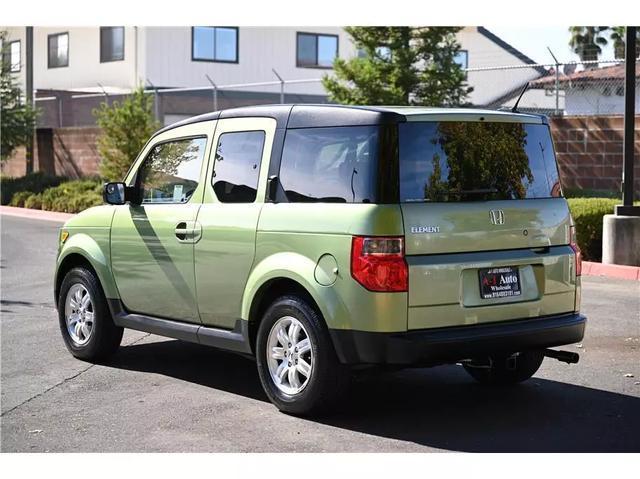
{"type": "Point", "coordinates": [611, 270]}
{"type": "Point", "coordinates": [35, 214]}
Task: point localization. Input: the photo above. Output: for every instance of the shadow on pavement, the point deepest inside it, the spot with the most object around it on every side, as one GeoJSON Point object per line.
{"type": "Point", "coordinates": [437, 407]}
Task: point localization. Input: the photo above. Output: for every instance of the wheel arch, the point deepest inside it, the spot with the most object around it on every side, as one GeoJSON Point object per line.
{"type": "Point", "coordinates": [82, 250]}
{"type": "Point", "coordinates": [287, 273]}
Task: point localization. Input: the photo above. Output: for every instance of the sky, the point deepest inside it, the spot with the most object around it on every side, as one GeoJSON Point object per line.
{"type": "Point", "coordinates": [533, 42]}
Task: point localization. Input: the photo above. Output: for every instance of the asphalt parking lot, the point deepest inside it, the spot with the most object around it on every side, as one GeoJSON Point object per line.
{"type": "Point", "coordinates": [160, 394]}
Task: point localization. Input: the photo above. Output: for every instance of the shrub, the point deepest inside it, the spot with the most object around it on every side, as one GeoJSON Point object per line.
{"type": "Point", "coordinates": [34, 201]}
{"type": "Point", "coordinates": [72, 196]}
{"type": "Point", "coordinates": [19, 199]}
{"type": "Point", "coordinates": [587, 214]}
{"type": "Point", "coordinates": [33, 182]}
{"type": "Point", "coordinates": [126, 127]}
{"type": "Point", "coordinates": [586, 193]}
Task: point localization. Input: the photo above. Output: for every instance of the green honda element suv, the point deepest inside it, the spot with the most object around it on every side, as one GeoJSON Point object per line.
{"type": "Point", "coordinates": [323, 239]}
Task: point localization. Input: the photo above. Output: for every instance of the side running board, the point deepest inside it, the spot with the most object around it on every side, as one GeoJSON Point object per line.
{"type": "Point", "coordinates": [236, 340]}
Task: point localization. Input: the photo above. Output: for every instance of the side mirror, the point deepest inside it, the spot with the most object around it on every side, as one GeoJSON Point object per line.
{"type": "Point", "coordinates": [114, 193]}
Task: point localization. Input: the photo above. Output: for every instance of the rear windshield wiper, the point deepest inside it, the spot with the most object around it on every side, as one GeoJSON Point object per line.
{"type": "Point", "coordinates": [472, 192]}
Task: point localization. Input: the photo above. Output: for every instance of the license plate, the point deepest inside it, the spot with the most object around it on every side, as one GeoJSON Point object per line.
{"type": "Point", "coordinates": [503, 282]}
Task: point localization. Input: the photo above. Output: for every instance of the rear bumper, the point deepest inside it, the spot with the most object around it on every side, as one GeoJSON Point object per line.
{"type": "Point", "coordinates": [441, 345]}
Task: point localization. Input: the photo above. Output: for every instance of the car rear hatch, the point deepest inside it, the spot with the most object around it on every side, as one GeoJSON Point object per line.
{"type": "Point", "coordinates": [487, 233]}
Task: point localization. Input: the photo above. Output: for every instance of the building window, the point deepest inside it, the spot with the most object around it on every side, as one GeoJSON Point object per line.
{"type": "Point", "coordinates": [58, 50]}
{"type": "Point", "coordinates": [11, 58]}
{"type": "Point", "coordinates": [462, 59]}
{"type": "Point", "coordinates": [214, 44]}
{"type": "Point", "coordinates": [111, 44]}
{"type": "Point", "coordinates": [316, 50]}
{"type": "Point", "coordinates": [382, 52]}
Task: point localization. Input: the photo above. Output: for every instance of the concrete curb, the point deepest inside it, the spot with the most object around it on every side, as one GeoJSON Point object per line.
{"type": "Point", "coordinates": [611, 270]}
{"type": "Point", "coordinates": [35, 214]}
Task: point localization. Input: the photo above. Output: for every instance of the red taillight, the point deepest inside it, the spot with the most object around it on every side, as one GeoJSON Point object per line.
{"type": "Point", "coordinates": [378, 264]}
{"type": "Point", "coordinates": [576, 249]}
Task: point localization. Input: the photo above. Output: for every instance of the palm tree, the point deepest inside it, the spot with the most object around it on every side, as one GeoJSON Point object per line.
{"type": "Point", "coordinates": [587, 42]}
{"type": "Point", "coordinates": [618, 37]}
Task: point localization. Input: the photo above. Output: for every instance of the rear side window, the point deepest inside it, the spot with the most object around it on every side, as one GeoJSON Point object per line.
{"type": "Point", "coordinates": [237, 166]}
{"type": "Point", "coordinates": [476, 161]}
{"type": "Point", "coordinates": [330, 164]}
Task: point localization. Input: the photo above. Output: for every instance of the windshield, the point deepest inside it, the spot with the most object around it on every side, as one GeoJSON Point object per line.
{"type": "Point", "coordinates": [476, 161]}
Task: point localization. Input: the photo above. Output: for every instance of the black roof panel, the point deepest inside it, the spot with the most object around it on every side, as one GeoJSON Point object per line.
{"type": "Point", "coordinates": [310, 116]}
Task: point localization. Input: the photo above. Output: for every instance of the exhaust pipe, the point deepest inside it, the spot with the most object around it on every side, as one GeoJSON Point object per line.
{"type": "Point", "coordinates": [564, 356]}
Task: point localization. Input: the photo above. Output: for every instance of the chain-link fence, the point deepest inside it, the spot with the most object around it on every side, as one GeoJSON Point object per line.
{"type": "Point", "coordinates": [562, 89]}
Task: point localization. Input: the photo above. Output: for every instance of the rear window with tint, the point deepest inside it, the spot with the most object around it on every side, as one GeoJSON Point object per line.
{"type": "Point", "coordinates": [330, 164]}
{"type": "Point", "coordinates": [476, 161]}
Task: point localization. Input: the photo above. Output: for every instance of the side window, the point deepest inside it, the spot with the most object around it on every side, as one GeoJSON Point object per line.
{"type": "Point", "coordinates": [171, 171]}
{"type": "Point", "coordinates": [237, 166]}
{"type": "Point", "coordinates": [335, 165]}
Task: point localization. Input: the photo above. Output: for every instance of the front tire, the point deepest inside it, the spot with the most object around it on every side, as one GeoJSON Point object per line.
{"type": "Point", "coordinates": [503, 370]}
{"type": "Point", "coordinates": [297, 364]}
{"type": "Point", "coordinates": [85, 320]}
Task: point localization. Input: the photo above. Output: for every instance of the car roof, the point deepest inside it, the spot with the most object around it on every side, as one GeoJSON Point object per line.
{"type": "Point", "coordinates": [325, 115]}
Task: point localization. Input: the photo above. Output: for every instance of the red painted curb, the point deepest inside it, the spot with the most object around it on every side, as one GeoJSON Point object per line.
{"type": "Point", "coordinates": [611, 270]}
{"type": "Point", "coordinates": [35, 214]}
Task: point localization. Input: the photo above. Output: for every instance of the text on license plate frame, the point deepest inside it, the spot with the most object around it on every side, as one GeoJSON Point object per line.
{"type": "Point", "coordinates": [498, 282]}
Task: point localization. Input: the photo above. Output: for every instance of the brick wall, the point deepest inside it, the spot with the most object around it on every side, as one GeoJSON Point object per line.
{"type": "Point", "coordinates": [69, 151]}
{"type": "Point", "coordinates": [589, 151]}
{"type": "Point", "coordinates": [75, 153]}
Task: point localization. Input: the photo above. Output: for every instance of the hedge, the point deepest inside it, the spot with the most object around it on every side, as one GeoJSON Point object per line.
{"type": "Point", "coordinates": [67, 197]}
{"type": "Point", "coordinates": [33, 183]}
{"type": "Point", "coordinates": [587, 214]}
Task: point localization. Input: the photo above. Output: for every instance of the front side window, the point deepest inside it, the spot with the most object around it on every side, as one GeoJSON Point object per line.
{"type": "Point", "coordinates": [237, 166]}
{"type": "Point", "coordinates": [476, 161]}
{"type": "Point", "coordinates": [11, 56]}
{"type": "Point", "coordinates": [171, 171]}
{"type": "Point", "coordinates": [58, 50]}
{"type": "Point", "coordinates": [316, 50]}
{"type": "Point", "coordinates": [215, 44]}
{"type": "Point", "coordinates": [334, 165]}
{"type": "Point", "coordinates": [111, 44]}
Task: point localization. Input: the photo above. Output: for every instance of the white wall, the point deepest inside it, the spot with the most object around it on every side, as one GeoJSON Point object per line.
{"type": "Point", "coordinates": [591, 101]}
{"type": "Point", "coordinates": [85, 70]}
{"type": "Point", "coordinates": [168, 58]}
{"type": "Point", "coordinates": [492, 84]}
{"type": "Point", "coordinates": [18, 33]}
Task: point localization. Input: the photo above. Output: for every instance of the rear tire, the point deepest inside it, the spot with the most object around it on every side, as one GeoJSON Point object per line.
{"type": "Point", "coordinates": [85, 320]}
{"type": "Point", "coordinates": [502, 370]}
{"type": "Point", "coordinates": [291, 337]}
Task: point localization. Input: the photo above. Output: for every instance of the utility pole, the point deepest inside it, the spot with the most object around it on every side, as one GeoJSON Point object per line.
{"type": "Point", "coordinates": [627, 207]}
{"type": "Point", "coordinates": [29, 94]}
{"type": "Point", "coordinates": [621, 231]}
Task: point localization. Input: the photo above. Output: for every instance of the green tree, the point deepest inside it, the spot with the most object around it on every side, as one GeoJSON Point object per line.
{"type": "Point", "coordinates": [618, 37]}
{"type": "Point", "coordinates": [18, 117]}
{"type": "Point", "coordinates": [400, 66]}
{"type": "Point", "coordinates": [126, 127]}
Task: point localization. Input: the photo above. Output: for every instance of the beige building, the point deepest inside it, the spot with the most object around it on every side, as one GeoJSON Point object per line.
{"type": "Point", "coordinates": [77, 68]}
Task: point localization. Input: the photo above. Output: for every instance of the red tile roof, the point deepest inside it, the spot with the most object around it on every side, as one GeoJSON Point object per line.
{"type": "Point", "coordinates": [615, 72]}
